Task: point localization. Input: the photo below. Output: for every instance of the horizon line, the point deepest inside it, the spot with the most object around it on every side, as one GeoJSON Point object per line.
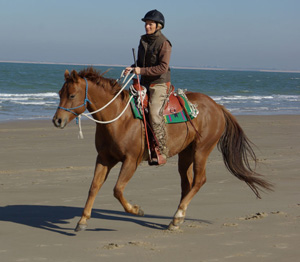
{"type": "Point", "coordinates": [174, 67]}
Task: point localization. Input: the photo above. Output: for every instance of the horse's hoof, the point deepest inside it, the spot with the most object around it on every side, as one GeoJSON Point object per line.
{"type": "Point", "coordinates": [138, 211]}
{"type": "Point", "coordinates": [80, 227]}
{"type": "Point", "coordinates": [141, 213]}
{"type": "Point", "coordinates": [173, 227]}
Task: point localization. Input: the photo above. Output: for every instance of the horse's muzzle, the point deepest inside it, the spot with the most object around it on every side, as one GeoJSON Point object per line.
{"type": "Point", "coordinates": [59, 122]}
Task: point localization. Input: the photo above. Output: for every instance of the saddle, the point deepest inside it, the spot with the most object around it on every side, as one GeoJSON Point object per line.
{"type": "Point", "coordinates": [173, 105]}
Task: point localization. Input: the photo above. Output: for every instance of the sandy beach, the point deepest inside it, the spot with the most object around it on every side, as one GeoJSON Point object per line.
{"type": "Point", "coordinates": [46, 173]}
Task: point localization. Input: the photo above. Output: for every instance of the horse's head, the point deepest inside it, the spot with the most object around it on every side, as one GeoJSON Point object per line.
{"type": "Point", "coordinates": [72, 99]}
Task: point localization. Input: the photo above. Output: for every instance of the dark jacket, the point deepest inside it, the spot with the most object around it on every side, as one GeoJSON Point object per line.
{"type": "Point", "coordinates": [153, 58]}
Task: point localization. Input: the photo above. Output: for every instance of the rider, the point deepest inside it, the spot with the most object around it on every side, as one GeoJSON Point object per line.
{"type": "Point", "coordinates": [154, 54]}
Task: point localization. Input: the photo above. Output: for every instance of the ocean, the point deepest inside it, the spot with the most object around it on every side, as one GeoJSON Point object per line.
{"type": "Point", "coordinates": [30, 91]}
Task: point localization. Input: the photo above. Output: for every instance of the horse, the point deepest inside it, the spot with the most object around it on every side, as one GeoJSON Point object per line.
{"type": "Point", "coordinates": [124, 141]}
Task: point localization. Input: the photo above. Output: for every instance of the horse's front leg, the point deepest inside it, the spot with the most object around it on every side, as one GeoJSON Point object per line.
{"type": "Point", "coordinates": [100, 175]}
{"type": "Point", "coordinates": [126, 173]}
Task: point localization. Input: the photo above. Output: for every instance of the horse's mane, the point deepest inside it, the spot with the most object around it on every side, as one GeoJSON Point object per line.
{"type": "Point", "coordinates": [96, 77]}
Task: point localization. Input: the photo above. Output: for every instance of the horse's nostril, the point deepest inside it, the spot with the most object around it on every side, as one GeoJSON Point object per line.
{"type": "Point", "coordinates": [57, 121]}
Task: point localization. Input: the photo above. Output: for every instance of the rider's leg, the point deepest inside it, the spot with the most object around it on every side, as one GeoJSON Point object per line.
{"type": "Point", "coordinates": [158, 95]}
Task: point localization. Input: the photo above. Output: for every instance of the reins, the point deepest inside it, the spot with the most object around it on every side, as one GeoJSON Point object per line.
{"type": "Point", "coordinates": [86, 100]}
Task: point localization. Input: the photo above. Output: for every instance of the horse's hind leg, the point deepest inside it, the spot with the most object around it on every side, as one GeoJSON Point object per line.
{"type": "Point", "coordinates": [100, 175]}
{"type": "Point", "coordinates": [128, 168]}
{"type": "Point", "coordinates": [199, 167]}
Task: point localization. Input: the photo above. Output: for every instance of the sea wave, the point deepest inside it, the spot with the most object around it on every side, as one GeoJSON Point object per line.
{"type": "Point", "coordinates": [35, 103]}
{"type": "Point", "coordinates": [257, 97]}
{"type": "Point", "coordinates": [29, 99]}
{"type": "Point", "coordinates": [30, 95]}
{"type": "Point", "coordinates": [272, 104]}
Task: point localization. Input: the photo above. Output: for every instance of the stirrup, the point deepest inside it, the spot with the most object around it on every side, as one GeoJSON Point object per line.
{"type": "Point", "coordinates": [158, 160]}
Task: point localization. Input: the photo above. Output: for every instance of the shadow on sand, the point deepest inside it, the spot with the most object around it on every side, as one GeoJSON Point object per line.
{"type": "Point", "coordinates": [53, 218]}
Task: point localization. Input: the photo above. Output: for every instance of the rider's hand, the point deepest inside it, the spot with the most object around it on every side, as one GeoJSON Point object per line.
{"type": "Point", "coordinates": [136, 70]}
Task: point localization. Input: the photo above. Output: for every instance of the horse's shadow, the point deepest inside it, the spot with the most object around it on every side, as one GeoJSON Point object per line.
{"type": "Point", "coordinates": [55, 218]}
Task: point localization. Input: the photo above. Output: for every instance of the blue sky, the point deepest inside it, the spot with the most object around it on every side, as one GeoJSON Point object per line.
{"type": "Point", "coordinates": [205, 33]}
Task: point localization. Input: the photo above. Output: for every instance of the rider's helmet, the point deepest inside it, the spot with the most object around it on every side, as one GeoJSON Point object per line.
{"type": "Point", "coordinates": [155, 16]}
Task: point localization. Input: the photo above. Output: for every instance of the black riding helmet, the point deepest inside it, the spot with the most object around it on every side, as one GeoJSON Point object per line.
{"type": "Point", "coordinates": [155, 16]}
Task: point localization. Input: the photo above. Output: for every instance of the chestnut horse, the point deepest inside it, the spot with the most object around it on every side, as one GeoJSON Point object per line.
{"type": "Point", "coordinates": [124, 140]}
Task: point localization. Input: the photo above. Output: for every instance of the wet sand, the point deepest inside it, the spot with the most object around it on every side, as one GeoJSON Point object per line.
{"type": "Point", "coordinates": [46, 173]}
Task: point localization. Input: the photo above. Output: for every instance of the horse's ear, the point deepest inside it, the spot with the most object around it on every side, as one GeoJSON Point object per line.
{"type": "Point", "coordinates": [67, 74]}
{"type": "Point", "coordinates": [74, 75]}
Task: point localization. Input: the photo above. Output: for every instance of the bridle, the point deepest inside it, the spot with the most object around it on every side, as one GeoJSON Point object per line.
{"type": "Point", "coordinates": [86, 100]}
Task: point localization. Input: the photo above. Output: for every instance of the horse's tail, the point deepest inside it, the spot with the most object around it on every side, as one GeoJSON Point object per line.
{"type": "Point", "coordinates": [236, 148]}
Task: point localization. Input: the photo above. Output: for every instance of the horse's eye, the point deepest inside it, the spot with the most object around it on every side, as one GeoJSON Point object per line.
{"type": "Point", "coordinates": [71, 96]}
